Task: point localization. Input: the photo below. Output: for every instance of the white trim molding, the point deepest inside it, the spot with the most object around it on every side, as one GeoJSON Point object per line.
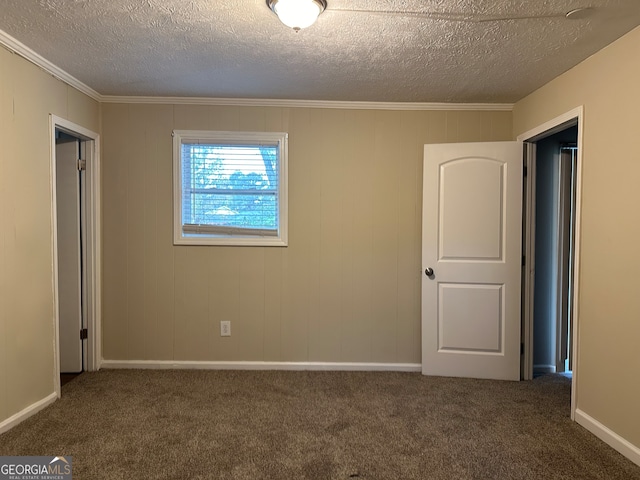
{"type": "Point", "coordinates": [25, 52]}
{"type": "Point", "coordinates": [608, 436]}
{"type": "Point", "coordinates": [31, 410]}
{"type": "Point", "coordinates": [94, 263]}
{"type": "Point", "coordinates": [186, 231]}
{"type": "Point", "coordinates": [285, 103]}
{"type": "Point", "coordinates": [316, 366]}
{"type": "Point", "coordinates": [553, 126]}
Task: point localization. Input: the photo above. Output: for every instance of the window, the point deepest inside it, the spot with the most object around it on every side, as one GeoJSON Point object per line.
{"type": "Point", "coordinates": [230, 188]}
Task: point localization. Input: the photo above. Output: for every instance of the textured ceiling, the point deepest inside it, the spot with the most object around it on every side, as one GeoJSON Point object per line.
{"type": "Point", "coordinates": [461, 51]}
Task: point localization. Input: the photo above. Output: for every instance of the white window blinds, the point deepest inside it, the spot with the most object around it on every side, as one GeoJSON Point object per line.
{"type": "Point", "coordinates": [230, 187]}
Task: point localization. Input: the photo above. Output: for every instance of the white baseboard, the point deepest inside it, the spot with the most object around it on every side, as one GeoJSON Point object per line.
{"type": "Point", "coordinates": [544, 369]}
{"type": "Point", "coordinates": [609, 437]}
{"type": "Point", "coordinates": [320, 366]}
{"type": "Point", "coordinates": [31, 410]}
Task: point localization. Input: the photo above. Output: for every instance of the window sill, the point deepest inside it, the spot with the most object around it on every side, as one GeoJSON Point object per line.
{"type": "Point", "coordinates": [231, 241]}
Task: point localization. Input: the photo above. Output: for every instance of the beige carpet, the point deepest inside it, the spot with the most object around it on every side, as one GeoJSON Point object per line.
{"type": "Point", "coordinates": [315, 425]}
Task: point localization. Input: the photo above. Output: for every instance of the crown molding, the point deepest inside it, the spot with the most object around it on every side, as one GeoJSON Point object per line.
{"type": "Point", "coordinates": [21, 49]}
{"type": "Point", "coordinates": [283, 103]}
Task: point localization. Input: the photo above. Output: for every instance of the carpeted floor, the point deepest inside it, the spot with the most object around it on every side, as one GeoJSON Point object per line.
{"type": "Point", "coordinates": [126, 424]}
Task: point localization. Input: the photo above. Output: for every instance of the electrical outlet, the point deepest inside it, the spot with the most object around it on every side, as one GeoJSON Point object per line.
{"type": "Point", "coordinates": [225, 328]}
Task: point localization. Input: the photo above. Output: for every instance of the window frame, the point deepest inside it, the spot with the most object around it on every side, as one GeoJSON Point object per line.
{"type": "Point", "coordinates": [278, 139]}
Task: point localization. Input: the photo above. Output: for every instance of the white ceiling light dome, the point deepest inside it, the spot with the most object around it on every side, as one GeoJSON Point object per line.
{"type": "Point", "coordinates": [297, 14]}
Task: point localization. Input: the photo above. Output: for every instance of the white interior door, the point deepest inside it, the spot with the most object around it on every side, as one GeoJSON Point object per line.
{"type": "Point", "coordinates": [471, 249]}
{"type": "Point", "coordinates": [69, 252]}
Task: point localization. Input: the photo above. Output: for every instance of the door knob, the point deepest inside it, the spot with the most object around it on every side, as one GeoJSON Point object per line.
{"type": "Point", "coordinates": [428, 272]}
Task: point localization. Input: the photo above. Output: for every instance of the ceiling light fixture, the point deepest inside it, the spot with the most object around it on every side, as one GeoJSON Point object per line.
{"type": "Point", "coordinates": [297, 14]}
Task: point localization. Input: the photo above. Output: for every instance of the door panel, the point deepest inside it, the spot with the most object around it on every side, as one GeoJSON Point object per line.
{"type": "Point", "coordinates": [457, 303]}
{"type": "Point", "coordinates": [462, 217]}
{"type": "Point", "coordinates": [472, 216]}
{"type": "Point", "coordinates": [69, 265]}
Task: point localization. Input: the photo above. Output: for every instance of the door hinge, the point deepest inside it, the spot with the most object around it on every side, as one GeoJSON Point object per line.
{"type": "Point", "coordinates": [522, 348]}
{"type": "Point", "coordinates": [525, 170]}
{"type": "Point", "coordinates": [82, 164]}
{"type": "Point", "coordinates": [84, 334]}
{"type": "Point", "coordinates": [524, 260]}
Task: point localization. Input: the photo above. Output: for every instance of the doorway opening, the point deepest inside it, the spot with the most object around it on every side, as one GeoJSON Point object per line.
{"type": "Point", "coordinates": [76, 249]}
{"type": "Point", "coordinates": [551, 217]}
{"type": "Point", "coordinates": [555, 160]}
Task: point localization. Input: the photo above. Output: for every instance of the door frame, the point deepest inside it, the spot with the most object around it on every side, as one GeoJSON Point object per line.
{"type": "Point", "coordinates": [93, 273]}
{"type": "Point", "coordinates": [548, 128]}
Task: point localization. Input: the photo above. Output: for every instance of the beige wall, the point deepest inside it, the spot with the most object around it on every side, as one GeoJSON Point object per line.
{"type": "Point", "coordinates": [346, 289]}
{"type": "Point", "coordinates": [27, 97]}
{"type": "Point", "coordinates": [608, 85]}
